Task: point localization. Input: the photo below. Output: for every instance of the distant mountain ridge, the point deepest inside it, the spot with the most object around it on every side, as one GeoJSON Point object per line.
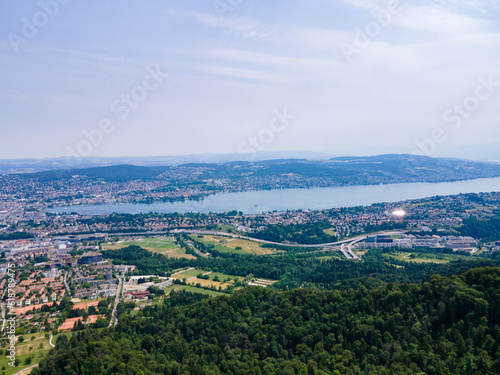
{"type": "Point", "coordinates": [390, 168]}
{"type": "Point", "coordinates": [8, 166]}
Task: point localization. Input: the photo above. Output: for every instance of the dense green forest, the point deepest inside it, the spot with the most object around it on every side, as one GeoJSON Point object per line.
{"type": "Point", "coordinates": [447, 325]}
{"type": "Point", "coordinates": [304, 234]}
{"type": "Point", "coordinates": [15, 236]}
{"type": "Point", "coordinates": [486, 230]}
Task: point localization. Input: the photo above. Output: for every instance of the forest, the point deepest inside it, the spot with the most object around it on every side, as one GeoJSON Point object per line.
{"type": "Point", "coordinates": [486, 230]}
{"type": "Point", "coordinates": [443, 325]}
{"type": "Point", "coordinates": [305, 234]}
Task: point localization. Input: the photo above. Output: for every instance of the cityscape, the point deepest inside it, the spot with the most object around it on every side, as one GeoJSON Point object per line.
{"type": "Point", "coordinates": [249, 188]}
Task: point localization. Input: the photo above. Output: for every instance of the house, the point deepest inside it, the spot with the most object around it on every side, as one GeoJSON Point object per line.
{"type": "Point", "coordinates": [137, 295]}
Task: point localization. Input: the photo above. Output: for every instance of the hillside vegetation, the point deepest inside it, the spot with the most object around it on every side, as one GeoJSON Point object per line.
{"type": "Point", "coordinates": [448, 325]}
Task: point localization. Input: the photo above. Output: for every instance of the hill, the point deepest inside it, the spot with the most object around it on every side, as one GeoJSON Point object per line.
{"type": "Point", "coordinates": [115, 173]}
{"type": "Point", "coordinates": [449, 325]}
{"type": "Point", "coordinates": [289, 173]}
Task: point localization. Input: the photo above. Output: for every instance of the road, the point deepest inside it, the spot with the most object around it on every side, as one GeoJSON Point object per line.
{"type": "Point", "coordinates": [27, 370]}
{"type": "Point", "coordinates": [114, 320]}
{"type": "Point", "coordinates": [347, 251]}
{"type": "Point", "coordinates": [66, 283]}
{"type": "Point", "coordinates": [190, 244]}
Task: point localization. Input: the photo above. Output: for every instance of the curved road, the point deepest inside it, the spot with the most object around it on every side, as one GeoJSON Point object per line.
{"type": "Point", "coordinates": [348, 252]}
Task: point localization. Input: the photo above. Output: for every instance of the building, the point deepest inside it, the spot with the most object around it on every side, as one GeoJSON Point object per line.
{"type": "Point", "coordinates": [90, 258]}
{"type": "Point", "coordinates": [427, 242]}
{"type": "Point", "coordinates": [165, 284]}
{"type": "Point", "coordinates": [137, 295]}
{"type": "Point", "coordinates": [460, 243]}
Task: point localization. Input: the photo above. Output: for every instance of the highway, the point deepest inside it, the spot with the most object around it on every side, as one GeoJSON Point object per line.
{"type": "Point", "coordinates": [346, 250]}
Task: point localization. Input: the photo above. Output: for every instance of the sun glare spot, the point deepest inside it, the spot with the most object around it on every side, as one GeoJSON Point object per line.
{"type": "Point", "coordinates": [399, 213]}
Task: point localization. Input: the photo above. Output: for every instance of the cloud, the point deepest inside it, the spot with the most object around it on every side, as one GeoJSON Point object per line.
{"type": "Point", "coordinates": [237, 26]}
{"type": "Point", "coordinates": [244, 74]}
{"type": "Point", "coordinates": [266, 59]}
{"type": "Point", "coordinates": [438, 20]}
{"type": "Point", "coordinates": [373, 5]}
{"type": "Point", "coordinates": [481, 6]}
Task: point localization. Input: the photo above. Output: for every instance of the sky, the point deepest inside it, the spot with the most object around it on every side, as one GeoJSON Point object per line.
{"type": "Point", "coordinates": [177, 77]}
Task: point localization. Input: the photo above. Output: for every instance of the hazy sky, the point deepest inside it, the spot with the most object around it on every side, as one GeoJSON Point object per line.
{"type": "Point", "coordinates": [171, 77]}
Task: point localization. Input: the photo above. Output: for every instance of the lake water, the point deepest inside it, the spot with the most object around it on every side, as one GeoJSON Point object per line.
{"type": "Point", "coordinates": [294, 199]}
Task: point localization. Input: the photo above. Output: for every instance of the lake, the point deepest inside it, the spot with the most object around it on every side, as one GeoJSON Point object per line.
{"type": "Point", "coordinates": [294, 199]}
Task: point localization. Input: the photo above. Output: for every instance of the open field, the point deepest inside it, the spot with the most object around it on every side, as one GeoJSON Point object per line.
{"type": "Point", "coordinates": [161, 245]}
{"type": "Point", "coordinates": [189, 288]}
{"type": "Point", "coordinates": [209, 283]}
{"type": "Point", "coordinates": [211, 293]}
{"type": "Point", "coordinates": [230, 245]}
{"type": "Point", "coordinates": [424, 257]}
{"type": "Point", "coordinates": [188, 274]}
{"type": "Point", "coordinates": [359, 251]}
{"type": "Point", "coordinates": [328, 257]}
{"type": "Point", "coordinates": [223, 276]}
{"type": "Point", "coordinates": [40, 347]}
{"type": "Point", "coordinates": [330, 232]}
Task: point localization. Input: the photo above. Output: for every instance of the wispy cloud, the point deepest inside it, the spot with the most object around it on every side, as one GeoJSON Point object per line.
{"type": "Point", "coordinates": [373, 5]}
{"type": "Point", "coordinates": [439, 20]}
{"type": "Point", "coordinates": [482, 6]}
{"type": "Point", "coordinates": [267, 59]}
{"type": "Point", "coordinates": [243, 27]}
{"type": "Point", "coordinates": [244, 74]}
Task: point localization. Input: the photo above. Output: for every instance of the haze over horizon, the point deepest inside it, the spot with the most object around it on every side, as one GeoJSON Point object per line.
{"type": "Point", "coordinates": [346, 77]}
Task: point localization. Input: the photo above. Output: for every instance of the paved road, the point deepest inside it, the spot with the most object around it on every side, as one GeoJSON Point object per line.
{"type": "Point", "coordinates": [328, 244]}
{"type": "Point", "coordinates": [50, 341]}
{"type": "Point", "coordinates": [26, 371]}
{"type": "Point", "coordinates": [345, 245]}
{"type": "Point", "coordinates": [113, 320]}
{"type": "Point", "coordinates": [190, 244]}
{"type": "Point", "coordinates": [66, 283]}
{"type": "Point", "coordinates": [3, 316]}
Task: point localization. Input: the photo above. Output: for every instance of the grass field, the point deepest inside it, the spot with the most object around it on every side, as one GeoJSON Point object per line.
{"type": "Point", "coordinates": [40, 347]}
{"type": "Point", "coordinates": [161, 245]}
{"type": "Point", "coordinates": [189, 288]}
{"type": "Point", "coordinates": [211, 293]}
{"type": "Point", "coordinates": [188, 274]}
{"type": "Point", "coordinates": [229, 245]}
{"type": "Point", "coordinates": [330, 232]}
{"type": "Point", "coordinates": [328, 257]}
{"type": "Point", "coordinates": [360, 251]}
{"type": "Point", "coordinates": [223, 276]}
{"type": "Point", "coordinates": [424, 257]}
